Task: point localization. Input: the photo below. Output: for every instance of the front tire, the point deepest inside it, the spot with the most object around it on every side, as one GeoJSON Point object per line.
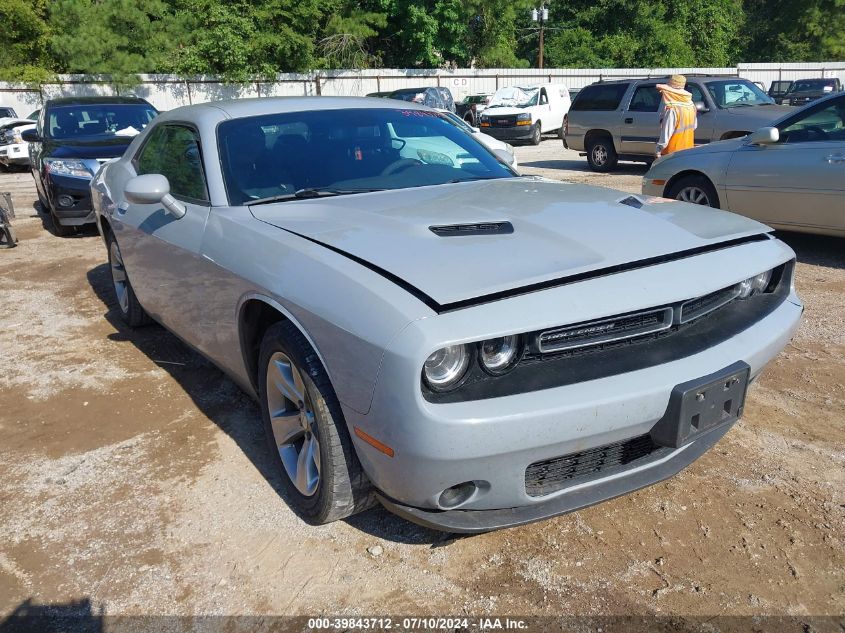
{"type": "Point", "coordinates": [601, 155]}
{"type": "Point", "coordinates": [695, 190]}
{"type": "Point", "coordinates": [128, 305]}
{"type": "Point", "coordinates": [59, 230]}
{"type": "Point", "coordinates": [536, 134]}
{"type": "Point", "coordinates": [306, 431]}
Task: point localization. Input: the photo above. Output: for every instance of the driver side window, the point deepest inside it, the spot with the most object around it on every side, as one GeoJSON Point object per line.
{"type": "Point", "coordinates": [174, 152]}
{"type": "Point", "coordinates": [823, 123]}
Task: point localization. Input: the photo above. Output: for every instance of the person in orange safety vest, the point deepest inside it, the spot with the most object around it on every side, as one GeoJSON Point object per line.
{"type": "Point", "coordinates": [678, 117]}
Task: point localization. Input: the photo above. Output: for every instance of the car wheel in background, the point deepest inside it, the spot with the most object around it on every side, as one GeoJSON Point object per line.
{"type": "Point", "coordinates": [306, 431]}
{"type": "Point", "coordinates": [696, 190]}
{"type": "Point", "coordinates": [536, 134]}
{"type": "Point", "coordinates": [127, 303]}
{"type": "Point", "coordinates": [601, 155]}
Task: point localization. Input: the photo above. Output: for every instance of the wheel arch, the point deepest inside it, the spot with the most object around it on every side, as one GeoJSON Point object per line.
{"type": "Point", "coordinates": [256, 313]}
{"type": "Point", "coordinates": [597, 133]}
{"type": "Point", "coordinates": [687, 173]}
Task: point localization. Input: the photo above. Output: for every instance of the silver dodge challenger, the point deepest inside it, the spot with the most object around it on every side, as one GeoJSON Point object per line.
{"type": "Point", "coordinates": [425, 328]}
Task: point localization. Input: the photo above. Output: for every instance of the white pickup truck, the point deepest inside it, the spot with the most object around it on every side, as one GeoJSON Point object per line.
{"type": "Point", "coordinates": [526, 112]}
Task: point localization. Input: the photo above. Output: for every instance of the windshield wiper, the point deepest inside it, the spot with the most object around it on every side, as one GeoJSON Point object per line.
{"type": "Point", "coordinates": [307, 194]}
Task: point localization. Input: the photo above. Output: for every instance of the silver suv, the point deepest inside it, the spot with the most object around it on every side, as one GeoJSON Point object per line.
{"type": "Point", "coordinates": [617, 120]}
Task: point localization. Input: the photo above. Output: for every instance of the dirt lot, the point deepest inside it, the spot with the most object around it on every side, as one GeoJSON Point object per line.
{"type": "Point", "coordinates": [134, 476]}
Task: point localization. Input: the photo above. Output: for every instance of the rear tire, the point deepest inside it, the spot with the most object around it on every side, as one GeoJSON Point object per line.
{"type": "Point", "coordinates": [601, 155]}
{"type": "Point", "coordinates": [306, 432]}
{"type": "Point", "coordinates": [695, 190]}
{"type": "Point", "coordinates": [127, 303]}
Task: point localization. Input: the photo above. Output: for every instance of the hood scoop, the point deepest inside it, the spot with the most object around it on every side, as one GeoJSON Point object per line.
{"type": "Point", "coordinates": [477, 228]}
{"type": "Point", "coordinates": [631, 201]}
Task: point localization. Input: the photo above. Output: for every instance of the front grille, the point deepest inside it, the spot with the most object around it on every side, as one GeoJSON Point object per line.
{"type": "Point", "coordinates": [548, 476]}
{"type": "Point", "coordinates": [503, 120]}
{"type": "Point", "coordinates": [694, 308]}
{"type": "Point", "coordinates": [605, 330]}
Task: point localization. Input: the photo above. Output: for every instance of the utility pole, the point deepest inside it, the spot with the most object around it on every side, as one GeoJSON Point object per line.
{"type": "Point", "coordinates": [540, 15]}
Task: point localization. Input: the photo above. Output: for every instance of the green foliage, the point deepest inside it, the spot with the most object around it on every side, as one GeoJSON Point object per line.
{"type": "Point", "coordinates": [24, 44]}
{"type": "Point", "coordinates": [243, 39]}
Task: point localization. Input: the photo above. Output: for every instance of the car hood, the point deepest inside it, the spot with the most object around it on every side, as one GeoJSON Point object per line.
{"type": "Point", "coordinates": [99, 148]}
{"type": "Point", "coordinates": [505, 110]}
{"type": "Point", "coordinates": [559, 230]}
{"type": "Point", "coordinates": [762, 113]}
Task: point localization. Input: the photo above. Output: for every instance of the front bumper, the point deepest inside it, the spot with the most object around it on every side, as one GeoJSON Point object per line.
{"type": "Point", "coordinates": [476, 521]}
{"type": "Point", "coordinates": [59, 188]}
{"type": "Point", "coordinates": [493, 441]}
{"type": "Point", "coordinates": [509, 133]}
{"type": "Point", "coordinates": [14, 154]}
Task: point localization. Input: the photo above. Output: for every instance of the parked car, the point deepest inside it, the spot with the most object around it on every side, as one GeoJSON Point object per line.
{"type": "Point", "coordinates": [381, 95]}
{"type": "Point", "coordinates": [472, 348]}
{"type": "Point", "coordinates": [493, 144]}
{"type": "Point", "coordinates": [778, 89]}
{"type": "Point", "coordinates": [471, 107]}
{"type": "Point", "coordinates": [618, 120]}
{"type": "Point", "coordinates": [7, 114]}
{"type": "Point", "coordinates": [790, 176]}
{"type": "Point", "coordinates": [439, 98]}
{"type": "Point", "coordinates": [804, 91]}
{"type": "Point", "coordinates": [72, 138]}
{"type": "Point", "coordinates": [13, 149]}
{"type": "Point", "coordinates": [526, 112]}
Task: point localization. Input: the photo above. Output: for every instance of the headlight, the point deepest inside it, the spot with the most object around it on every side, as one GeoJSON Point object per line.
{"type": "Point", "coordinates": [754, 285]}
{"type": "Point", "coordinates": [525, 116]}
{"type": "Point", "coordinates": [499, 355]}
{"type": "Point", "coordinates": [67, 167]}
{"type": "Point", "coordinates": [16, 136]}
{"type": "Point", "coordinates": [444, 369]}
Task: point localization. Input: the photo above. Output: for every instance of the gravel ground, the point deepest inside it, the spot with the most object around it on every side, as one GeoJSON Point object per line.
{"type": "Point", "coordinates": [135, 480]}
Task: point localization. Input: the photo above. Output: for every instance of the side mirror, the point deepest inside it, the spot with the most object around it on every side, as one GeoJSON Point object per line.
{"type": "Point", "coordinates": [504, 156]}
{"type": "Point", "coordinates": [30, 136]}
{"type": "Point", "coordinates": [764, 136]}
{"type": "Point", "coordinates": [701, 106]}
{"type": "Point", "coordinates": [153, 189]}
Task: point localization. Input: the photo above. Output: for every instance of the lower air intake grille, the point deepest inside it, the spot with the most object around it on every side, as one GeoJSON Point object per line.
{"type": "Point", "coordinates": [551, 475]}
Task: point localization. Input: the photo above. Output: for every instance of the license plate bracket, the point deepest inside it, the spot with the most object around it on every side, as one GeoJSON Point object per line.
{"type": "Point", "coordinates": [703, 404]}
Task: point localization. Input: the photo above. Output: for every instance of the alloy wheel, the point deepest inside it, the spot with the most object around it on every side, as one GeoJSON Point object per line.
{"type": "Point", "coordinates": [293, 423]}
{"type": "Point", "coordinates": [599, 155]}
{"type": "Point", "coordinates": [695, 195]}
{"type": "Point", "coordinates": [118, 276]}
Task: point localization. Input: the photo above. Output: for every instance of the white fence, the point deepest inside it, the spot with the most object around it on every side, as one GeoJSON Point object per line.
{"type": "Point", "coordinates": [169, 91]}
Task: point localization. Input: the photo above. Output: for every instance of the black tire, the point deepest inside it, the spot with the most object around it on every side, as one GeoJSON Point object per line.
{"type": "Point", "coordinates": [128, 306]}
{"type": "Point", "coordinates": [695, 190]}
{"type": "Point", "coordinates": [342, 488]}
{"type": "Point", "coordinates": [536, 134]}
{"type": "Point", "coordinates": [560, 133]}
{"type": "Point", "coordinates": [59, 230]}
{"type": "Point", "coordinates": [601, 155]}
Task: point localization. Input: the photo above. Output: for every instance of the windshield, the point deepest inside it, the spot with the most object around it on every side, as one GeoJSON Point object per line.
{"type": "Point", "coordinates": [805, 85]}
{"type": "Point", "coordinates": [514, 97]}
{"type": "Point", "coordinates": [353, 150]}
{"type": "Point", "coordinates": [457, 121]}
{"type": "Point", "coordinates": [100, 120]}
{"type": "Point", "coordinates": [475, 99]}
{"type": "Point", "coordinates": [417, 96]}
{"type": "Point", "coordinates": [736, 93]}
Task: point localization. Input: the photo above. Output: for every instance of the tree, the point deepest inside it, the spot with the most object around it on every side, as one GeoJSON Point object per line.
{"type": "Point", "coordinates": [116, 37]}
{"type": "Point", "coordinates": [344, 43]}
{"type": "Point", "coordinates": [785, 30]}
{"type": "Point", "coordinates": [24, 46]}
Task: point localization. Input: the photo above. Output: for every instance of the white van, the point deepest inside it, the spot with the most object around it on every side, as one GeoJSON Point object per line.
{"type": "Point", "coordinates": [526, 112]}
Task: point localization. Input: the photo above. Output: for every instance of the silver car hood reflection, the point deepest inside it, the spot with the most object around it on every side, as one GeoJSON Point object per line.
{"type": "Point", "coordinates": [559, 230]}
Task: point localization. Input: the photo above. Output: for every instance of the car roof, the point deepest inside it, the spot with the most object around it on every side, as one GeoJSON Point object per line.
{"type": "Point", "coordinates": [666, 78]}
{"type": "Point", "coordinates": [240, 108]}
{"type": "Point", "coordinates": [67, 101]}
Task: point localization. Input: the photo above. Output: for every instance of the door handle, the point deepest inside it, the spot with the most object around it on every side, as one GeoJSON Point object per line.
{"type": "Point", "coordinates": [629, 120]}
{"type": "Point", "coordinates": [835, 158]}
